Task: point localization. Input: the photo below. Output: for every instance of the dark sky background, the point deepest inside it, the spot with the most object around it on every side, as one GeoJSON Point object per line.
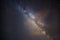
{"type": "Point", "coordinates": [12, 18]}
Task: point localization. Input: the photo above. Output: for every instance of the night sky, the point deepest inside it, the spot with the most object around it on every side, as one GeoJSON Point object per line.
{"type": "Point", "coordinates": [12, 18]}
